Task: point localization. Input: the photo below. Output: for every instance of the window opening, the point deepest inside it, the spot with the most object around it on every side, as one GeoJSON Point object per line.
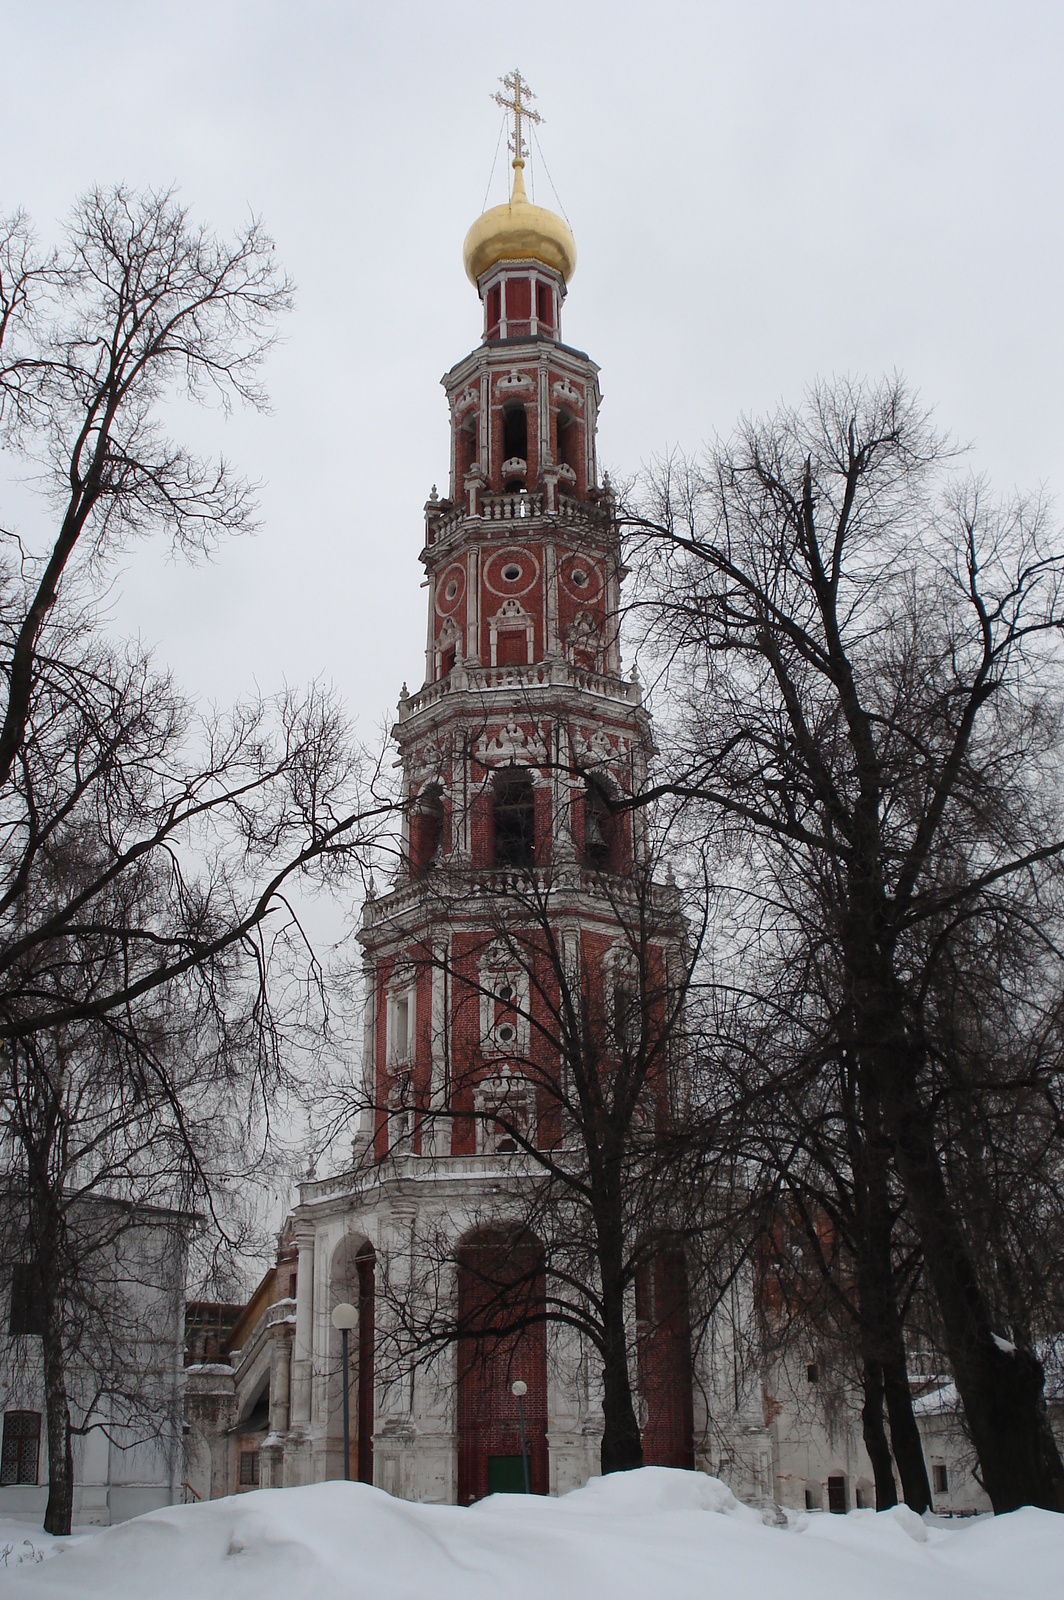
{"type": "Point", "coordinates": [544, 307]}
{"type": "Point", "coordinates": [21, 1447]}
{"type": "Point", "coordinates": [569, 442]}
{"type": "Point", "coordinates": [249, 1469]}
{"type": "Point", "coordinates": [599, 828]}
{"type": "Point", "coordinates": [515, 433]}
{"type": "Point", "coordinates": [940, 1478]}
{"type": "Point", "coordinates": [494, 308]}
{"type": "Point", "coordinates": [514, 816]}
{"type": "Point", "coordinates": [427, 821]}
{"type": "Point", "coordinates": [811, 1372]}
{"type": "Point", "coordinates": [466, 450]}
{"type": "Point", "coordinates": [27, 1301]}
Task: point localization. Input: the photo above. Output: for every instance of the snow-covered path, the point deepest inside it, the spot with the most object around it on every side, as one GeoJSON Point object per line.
{"type": "Point", "coordinates": [635, 1536]}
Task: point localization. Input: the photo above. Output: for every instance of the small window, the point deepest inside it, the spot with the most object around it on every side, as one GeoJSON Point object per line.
{"type": "Point", "coordinates": [21, 1447]}
{"type": "Point", "coordinates": [292, 1281]}
{"type": "Point", "coordinates": [579, 577]}
{"type": "Point", "coordinates": [27, 1302]}
{"type": "Point", "coordinates": [940, 1478]}
{"type": "Point", "coordinates": [544, 307]}
{"type": "Point", "coordinates": [811, 1372]}
{"type": "Point", "coordinates": [494, 308]}
{"type": "Point", "coordinates": [837, 1496]}
{"type": "Point", "coordinates": [249, 1468]}
{"type": "Point", "coordinates": [511, 572]}
{"type": "Point", "coordinates": [812, 1499]}
{"type": "Point", "coordinates": [451, 589]}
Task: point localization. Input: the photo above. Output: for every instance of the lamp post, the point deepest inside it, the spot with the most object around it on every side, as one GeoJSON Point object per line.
{"type": "Point", "coordinates": [520, 1389]}
{"type": "Point", "coordinates": [345, 1317]}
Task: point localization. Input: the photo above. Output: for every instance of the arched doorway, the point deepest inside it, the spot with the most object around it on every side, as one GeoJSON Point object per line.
{"type": "Point", "coordinates": [502, 1338]}
{"type": "Point", "coordinates": [663, 1345]}
{"type": "Point", "coordinates": [352, 1280]}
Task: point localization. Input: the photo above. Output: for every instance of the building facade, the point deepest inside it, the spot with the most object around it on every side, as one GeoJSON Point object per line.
{"type": "Point", "coordinates": [125, 1386]}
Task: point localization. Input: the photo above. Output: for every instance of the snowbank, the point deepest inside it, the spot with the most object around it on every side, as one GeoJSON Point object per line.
{"type": "Point", "coordinates": [634, 1536]}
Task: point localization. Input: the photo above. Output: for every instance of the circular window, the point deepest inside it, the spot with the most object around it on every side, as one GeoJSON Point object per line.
{"type": "Point", "coordinates": [506, 994]}
{"type": "Point", "coordinates": [506, 1034]}
{"type": "Point", "coordinates": [511, 573]}
{"type": "Point", "coordinates": [451, 589]}
{"type": "Point", "coordinates": [579, 577]}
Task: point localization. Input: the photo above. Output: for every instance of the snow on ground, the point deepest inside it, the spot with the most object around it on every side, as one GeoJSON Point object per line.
{"type": "Point", "coordinates": [649, 1535]}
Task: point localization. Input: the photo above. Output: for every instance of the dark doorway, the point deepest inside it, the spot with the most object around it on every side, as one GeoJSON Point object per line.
{"type": "Point", "coordinates": [365, 1263]}
{"type": "Point", "coordinates": [837, 1496]}
{"type": "Point", "coordinates": [502, 1337]}
{"type": "Point", "coordinates": [506, 1474]}
{"type": "Point", "coordinates": [663, 1352]}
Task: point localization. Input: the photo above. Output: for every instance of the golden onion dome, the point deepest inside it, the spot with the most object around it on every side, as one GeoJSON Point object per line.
{"type": "Point", "coordinates": [519, 231]}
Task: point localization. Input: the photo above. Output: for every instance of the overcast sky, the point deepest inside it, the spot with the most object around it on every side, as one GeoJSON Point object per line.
{"type": "Point", "coordinates": [760, 193]}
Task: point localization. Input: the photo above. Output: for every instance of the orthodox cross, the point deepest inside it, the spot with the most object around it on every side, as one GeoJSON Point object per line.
{"type": "Point", "coordinates": [517, 102]}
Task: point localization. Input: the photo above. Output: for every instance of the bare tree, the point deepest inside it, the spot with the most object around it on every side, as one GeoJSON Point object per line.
{"type": "Point", "coordinates": [865, 655]}
{"type": "Point", "coordinates": [153, 964]}
{"type": "Point", "coordinates": [138, 304]}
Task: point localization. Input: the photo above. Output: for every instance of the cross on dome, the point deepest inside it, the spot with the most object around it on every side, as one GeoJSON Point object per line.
{"type": "Point", "coordinates": [517, 230]}
{"type": "Point", "coordinates": [516, 102]}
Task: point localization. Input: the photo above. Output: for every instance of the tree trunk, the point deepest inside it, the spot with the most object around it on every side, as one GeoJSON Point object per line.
{"type": "Point", "coordinates": [875, 1436]}
{"type": "Point", "coordinates": [882, 1333]}
{"type": "Point", "coordinates": [60, 1506]}
{"type": "Point", "coordinates": [905, 1438]}
{"type": "Point", "coordinates": [1001, 1389]}
{"type": "Point", "coordinates": [622, 1445]}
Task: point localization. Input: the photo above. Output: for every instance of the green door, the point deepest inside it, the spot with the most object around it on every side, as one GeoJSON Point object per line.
{"type": "Point", "coordinates": [506, 1475]}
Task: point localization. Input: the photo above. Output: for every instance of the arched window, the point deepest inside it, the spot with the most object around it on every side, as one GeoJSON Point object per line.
{"type": "Point", "coordinates": [514, 816]}
{"type": "Point", "coordinates": [515, 433]}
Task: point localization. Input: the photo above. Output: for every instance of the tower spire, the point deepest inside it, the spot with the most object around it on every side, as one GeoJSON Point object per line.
{"type": "Point", "coordinates": [516, 102]}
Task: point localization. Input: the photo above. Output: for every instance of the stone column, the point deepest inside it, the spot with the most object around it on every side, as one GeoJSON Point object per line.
{"type": "Point", "coordinates": [301, 1358]}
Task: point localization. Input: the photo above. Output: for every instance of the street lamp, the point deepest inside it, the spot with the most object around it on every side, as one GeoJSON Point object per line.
{"type": "Point", "coordinates": [345, 1317]}
{"type": "Point", "coordinates": [520, 1389]}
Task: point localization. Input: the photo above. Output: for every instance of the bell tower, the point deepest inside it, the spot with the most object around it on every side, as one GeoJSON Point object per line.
{"type": "Point", "coordinates": [519, 754]}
